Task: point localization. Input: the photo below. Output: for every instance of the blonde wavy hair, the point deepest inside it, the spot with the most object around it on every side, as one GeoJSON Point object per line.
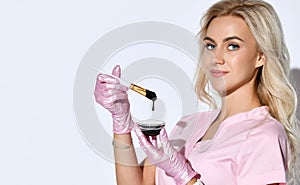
{"type": "Point", "coordinates": [273, 85]}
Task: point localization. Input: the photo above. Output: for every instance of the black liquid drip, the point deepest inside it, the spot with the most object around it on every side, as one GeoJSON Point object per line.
{"type": "Point", "coordinates": [152, 130]}
{"type": "Point", "coordinates": [152, 96]}
{"type": "Point", "coordinates": [153, 105]}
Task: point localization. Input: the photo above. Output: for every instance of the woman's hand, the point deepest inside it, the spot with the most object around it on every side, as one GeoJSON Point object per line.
{"type": "Point", "coordinates": [166, 157]}
{"type": "Point", "coordinates": [113, 96]}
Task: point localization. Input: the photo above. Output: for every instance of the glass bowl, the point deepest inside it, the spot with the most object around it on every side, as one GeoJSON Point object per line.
{"type": "Point", "coordinates": [151, 127]}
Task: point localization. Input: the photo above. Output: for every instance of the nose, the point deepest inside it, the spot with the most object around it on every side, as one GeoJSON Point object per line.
{"type": "Point", "coordinates": [218, 58]}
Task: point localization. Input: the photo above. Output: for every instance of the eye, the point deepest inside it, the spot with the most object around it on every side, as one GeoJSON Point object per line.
{"type": "Point", "coordinates": [233, 47]}
{"type": "Point", "coordinates": [209, 46]}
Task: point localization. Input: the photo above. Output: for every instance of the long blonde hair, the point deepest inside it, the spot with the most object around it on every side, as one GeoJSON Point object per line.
{"type": "Point", "coordinates": [273, 85]}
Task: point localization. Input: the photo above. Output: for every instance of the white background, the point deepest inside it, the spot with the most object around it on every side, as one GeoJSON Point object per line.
{"type": "Point", "coordinates": [42, 43]}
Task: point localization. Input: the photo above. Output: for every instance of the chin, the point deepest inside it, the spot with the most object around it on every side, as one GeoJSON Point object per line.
{"type": "Point", "coordinates": [218, 87]}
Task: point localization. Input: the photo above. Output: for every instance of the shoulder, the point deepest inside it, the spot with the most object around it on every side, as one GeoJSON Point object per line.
{"type": "Point", "coordinates": [264, 151]}
{"type": "Point", "coordinates": [268, 128]}
{"type": "Point", "coordinates": [268, 137]}
{"type": "Point", "coordinates": [266, 125]}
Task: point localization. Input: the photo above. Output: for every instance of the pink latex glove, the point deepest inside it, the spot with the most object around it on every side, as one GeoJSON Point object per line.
{"type": "Point", "coordinates": [113, 96]}
{"type": "Point", "coordinates": [166, 157]}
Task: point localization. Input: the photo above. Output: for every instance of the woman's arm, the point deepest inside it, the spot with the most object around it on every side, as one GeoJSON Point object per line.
{"type": "Point", "coordinates": [110, 94]}
{"type": "Point", "coordinates": [148, 173]}
{"type": "Point", "coordinates": [128, 171]}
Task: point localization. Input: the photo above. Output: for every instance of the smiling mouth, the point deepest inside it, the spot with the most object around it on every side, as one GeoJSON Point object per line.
{"type": "Point", "coordinates": [218, 73]}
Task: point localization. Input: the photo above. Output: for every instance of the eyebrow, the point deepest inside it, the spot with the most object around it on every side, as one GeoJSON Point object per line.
{"type": "Point", "coordinates": [224, 40]}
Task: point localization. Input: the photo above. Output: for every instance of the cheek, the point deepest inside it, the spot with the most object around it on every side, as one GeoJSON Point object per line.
{"type": "Point", "coordinates": [241, 63]}
{"type": "Point", "coordinates": [242, 71]}
{"type": "Point", "coordinates": [205, 67]}
{"type": "Point", "coordinates": [246, 58]}
{"type": "Point", "coordinates": [207, 58]}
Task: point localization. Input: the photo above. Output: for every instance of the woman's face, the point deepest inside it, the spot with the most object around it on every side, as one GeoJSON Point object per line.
{"type": "Point", "coordinates": [230, 56]}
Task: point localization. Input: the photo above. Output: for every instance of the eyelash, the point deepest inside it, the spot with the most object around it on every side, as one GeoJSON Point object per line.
{"type": "Point", "coordinates": [210, 47]}
{"type": "Point", "coordinates": [207, 46]}
{"type": "Point", "coordinates": [235, 46]}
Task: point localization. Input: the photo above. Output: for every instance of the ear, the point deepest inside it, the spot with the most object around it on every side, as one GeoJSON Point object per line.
{"type": "Point", "coordinates": [261, 60]}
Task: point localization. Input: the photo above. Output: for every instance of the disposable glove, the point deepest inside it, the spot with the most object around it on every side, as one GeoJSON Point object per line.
{"type": "Point", "coordinates": [166, 157]}
{"type": "Point", "coordinates": [113, 96]}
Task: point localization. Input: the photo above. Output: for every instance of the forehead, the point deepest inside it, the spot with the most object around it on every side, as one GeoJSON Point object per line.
{"type": "Point", "coordinates": [228, 26]}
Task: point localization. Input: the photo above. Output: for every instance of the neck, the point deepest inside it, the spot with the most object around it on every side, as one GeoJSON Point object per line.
{"type": "Point", "coordinates": [242, 100]}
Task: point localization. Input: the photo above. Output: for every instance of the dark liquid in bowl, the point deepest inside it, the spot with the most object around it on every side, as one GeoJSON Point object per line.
{"type": "Point", "coordinates": [151, 129]}
{"type": "Point", "coordinates": [151, 132]}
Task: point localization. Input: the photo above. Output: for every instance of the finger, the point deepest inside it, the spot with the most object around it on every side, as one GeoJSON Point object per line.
{"type": "Point", "coordinates": [117, 71]}
{"type": "Point", "coordinates": [108, 86]}
{"type": "Point", "coordinates": [142, 138]}
{"type": "Point", "coordinates": [153, 140]}
{"type": "Point", "coordinates": [110, 92]}
{"type": "Point", "coordinates": [163, 136]}
{"type": "Point", "coordinates": [110, 100]}
{"type": "Point", "coordinates": [166, 145]}
{"type": "Point", "coordinates": [117, 97]}
{"type": "Point", "coordinates": [104, 78]}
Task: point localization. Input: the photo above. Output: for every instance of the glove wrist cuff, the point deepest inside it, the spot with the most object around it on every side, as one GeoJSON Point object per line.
{"type": "Point", "coordinates": [122, 126]}
{"type": "Point", "coordinates": [186, 176]}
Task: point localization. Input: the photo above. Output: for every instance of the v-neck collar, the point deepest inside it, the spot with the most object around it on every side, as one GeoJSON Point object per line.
{"type": "Point", "coordinates": [257, 113]}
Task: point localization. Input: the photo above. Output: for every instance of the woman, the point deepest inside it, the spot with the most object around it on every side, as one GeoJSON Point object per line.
{"type": "Point", "coordinates": [252, 139]}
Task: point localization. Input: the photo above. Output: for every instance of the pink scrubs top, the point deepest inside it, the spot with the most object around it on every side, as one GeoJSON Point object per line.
{"type": "Point", "coordinates": [248, 148]}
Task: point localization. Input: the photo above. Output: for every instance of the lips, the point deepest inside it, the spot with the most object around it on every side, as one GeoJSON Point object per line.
{"type": "Point", "coordinates": [218, 73]}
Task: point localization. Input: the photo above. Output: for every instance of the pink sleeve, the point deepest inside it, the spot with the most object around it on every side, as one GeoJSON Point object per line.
{"type": "Point", "coordinates": [262, 158]}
